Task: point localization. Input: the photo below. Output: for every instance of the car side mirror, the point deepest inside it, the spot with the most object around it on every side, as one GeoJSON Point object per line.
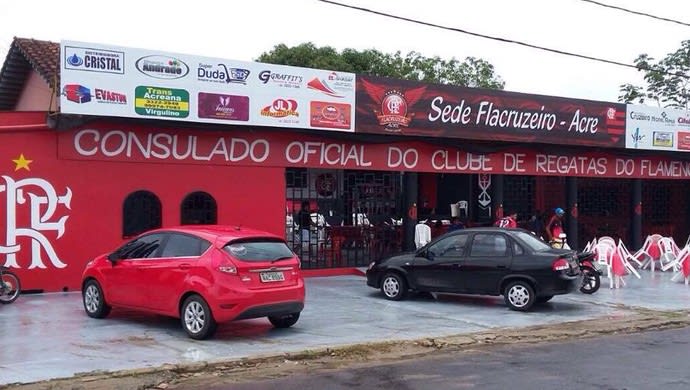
{"type": "Point", "coordinates": [113, 257]}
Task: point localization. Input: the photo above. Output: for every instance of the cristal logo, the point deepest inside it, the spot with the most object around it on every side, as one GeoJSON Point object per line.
{"type": "Point", "coordinates": [41, 200]}
{"type": "Point", "coordinates": [75, 60]}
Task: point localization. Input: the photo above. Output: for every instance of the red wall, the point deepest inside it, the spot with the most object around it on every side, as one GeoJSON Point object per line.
{"type": "Point", "coordinates": [251, 196]}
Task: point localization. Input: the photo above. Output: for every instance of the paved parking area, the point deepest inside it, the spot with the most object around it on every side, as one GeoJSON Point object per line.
{"type": "Point", "coordinates": [48, 336]}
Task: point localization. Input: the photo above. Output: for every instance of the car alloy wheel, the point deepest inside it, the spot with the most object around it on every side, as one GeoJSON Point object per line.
{"type": "Point", "coordinates": [394, 287]}
{"type": "Point", "coordinates": [197, 319]}
{"type": "Point", "coordinates": [519, 296]}
{"type": "Point", "coordinates": [94, 301]}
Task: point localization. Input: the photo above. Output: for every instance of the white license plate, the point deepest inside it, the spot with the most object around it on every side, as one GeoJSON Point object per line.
{"type": "Point", "coordinates": [272, 276]}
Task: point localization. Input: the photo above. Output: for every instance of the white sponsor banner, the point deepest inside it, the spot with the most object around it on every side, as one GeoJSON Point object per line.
{"type": "Point", "coordinates": [656, 128]}
{"type": "Point", "coordinates": [138, 83]}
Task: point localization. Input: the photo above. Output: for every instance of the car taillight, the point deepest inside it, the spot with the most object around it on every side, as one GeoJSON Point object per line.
{"type": "Point", "coordinates": [227, 267]}
{"type": "Point", "coordinates": [560, 265]}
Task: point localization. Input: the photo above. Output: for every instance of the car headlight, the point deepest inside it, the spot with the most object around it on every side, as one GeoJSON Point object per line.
{"type": "Point", "coordinates": [371, 265]}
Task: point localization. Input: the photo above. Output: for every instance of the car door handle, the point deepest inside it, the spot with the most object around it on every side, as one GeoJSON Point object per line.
{"type": "Point", "coordinates": [183, 266]}
{"type": "Point", "coordinates": [501, 267]}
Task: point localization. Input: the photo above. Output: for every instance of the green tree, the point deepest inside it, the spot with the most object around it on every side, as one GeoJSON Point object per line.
{"type": "Point", "coordinates": [473, 72]}
{"type": "Point", "coordinates": [668, 80]}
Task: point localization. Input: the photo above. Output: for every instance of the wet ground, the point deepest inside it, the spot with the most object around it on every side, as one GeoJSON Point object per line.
{"type": "Point", "coordinates": [49, 336]}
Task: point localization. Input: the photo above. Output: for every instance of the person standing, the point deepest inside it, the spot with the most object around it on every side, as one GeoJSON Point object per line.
{"type": "Point", "coordinates": [554, 227]}
{"type": "Point", "coordinates": [509, 221]}
{"type": "Point", "coordinates": [305, 223]}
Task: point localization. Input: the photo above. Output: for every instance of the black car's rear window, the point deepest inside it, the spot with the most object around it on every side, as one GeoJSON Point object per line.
{"type": "Point", "coordinates": [532, 241]}
{"type": "Point", "coordinates": [258, 250]}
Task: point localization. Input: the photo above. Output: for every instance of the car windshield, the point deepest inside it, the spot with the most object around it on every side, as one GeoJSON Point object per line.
{"type": "Point", "coordinates": [532, 241]}
{"type": "Point", "coordinates": [259, 250]}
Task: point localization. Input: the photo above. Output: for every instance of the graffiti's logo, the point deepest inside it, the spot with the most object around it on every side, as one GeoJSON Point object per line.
{"type": "Point", "coordinates": [38, 199]}
{"type": "Point", "coordinates": [394, 104]}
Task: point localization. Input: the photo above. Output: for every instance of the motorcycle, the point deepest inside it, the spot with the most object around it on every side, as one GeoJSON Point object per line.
{"type": "Point", "coordinates": [591, 276]}
{"type": "Point", "coordinates": [9, 286]}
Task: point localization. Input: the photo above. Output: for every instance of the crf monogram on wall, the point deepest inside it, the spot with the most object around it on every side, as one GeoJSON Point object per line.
{"type": "Point", "coordinates": [42, 200]}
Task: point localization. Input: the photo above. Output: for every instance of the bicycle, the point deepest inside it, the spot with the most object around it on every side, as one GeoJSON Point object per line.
{"type": "Point", "coordinates": [10, 286]}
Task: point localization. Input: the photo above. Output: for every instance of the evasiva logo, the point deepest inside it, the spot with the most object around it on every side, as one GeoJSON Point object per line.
{"type": "Point", "coordinates": [162, 67]}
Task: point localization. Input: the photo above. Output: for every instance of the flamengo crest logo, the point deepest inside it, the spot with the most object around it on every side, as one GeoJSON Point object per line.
{"type": "Point", "coordinates": [395, 104]}
{"type": "Point", "coordinates": [41, 200]}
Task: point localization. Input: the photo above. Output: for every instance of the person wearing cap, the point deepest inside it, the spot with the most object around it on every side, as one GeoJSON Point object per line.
{"type": "Point", "coordinates": [555, 226]}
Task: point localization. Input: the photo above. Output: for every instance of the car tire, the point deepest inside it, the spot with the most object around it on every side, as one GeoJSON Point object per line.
{"type": "Point", "coordinates": [197, 319]}
{"type": "Point", "coordinates": [544, 299]}
{"type": "Point", "coordinates": [519, 296]}
{"type": "Point", "coordinates": [284, 321]}
{"type": "Point", "coordinates": [93, 299]}
{"type": "Point", "coordinates": [394, 286]}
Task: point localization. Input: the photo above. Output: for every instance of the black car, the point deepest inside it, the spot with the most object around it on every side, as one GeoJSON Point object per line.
{"type": "Point", "coordinates": [487, 261]}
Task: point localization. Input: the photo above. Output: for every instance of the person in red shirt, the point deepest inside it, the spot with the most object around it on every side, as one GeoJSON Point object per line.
{"type": "Point", "coordinates": [554, 227]}
{"type": "Point", "coordinates": [509, 221]}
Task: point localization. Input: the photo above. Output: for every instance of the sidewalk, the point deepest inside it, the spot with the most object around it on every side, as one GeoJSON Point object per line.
{"type": "Point", "coordinates": [48, 336]}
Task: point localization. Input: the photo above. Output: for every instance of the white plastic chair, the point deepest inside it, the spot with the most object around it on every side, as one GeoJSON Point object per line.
{"type": "Point", "coordinates": [669, 253]}
{"type": "Point", "coordinates": [603, 258]}
{"type": "Point", "coordinates": [643, 255]}
{"type": "Point", "coordinates": [625, 256]}
{"type": "Point", "coordinates": [683, 256]}
{"type": "Point", "coordinates": [422, 235]}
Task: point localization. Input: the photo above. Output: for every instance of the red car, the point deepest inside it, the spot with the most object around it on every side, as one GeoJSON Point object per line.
{"type": "Point", "coordinates": [202, 274]}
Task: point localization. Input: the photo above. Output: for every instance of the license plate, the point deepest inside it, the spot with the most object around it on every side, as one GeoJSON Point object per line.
{"type": "Point", "coordinates": [272, 276]}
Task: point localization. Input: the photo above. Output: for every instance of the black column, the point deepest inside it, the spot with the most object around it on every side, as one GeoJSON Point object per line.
{"type": "Point", "coordinates": [636, 220]}
{"type": "Point", "coordinates": [571, 210]}
{"type": "Point", "coordinates": [497, 196]}
{"type": "Point", "coordinates": [411, 188]}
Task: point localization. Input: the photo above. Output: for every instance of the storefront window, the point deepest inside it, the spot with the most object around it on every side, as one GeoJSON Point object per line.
{"type": "Point", "coordinates": [198, 208]}
{"type": "Point", "coordinates": [141, 211]}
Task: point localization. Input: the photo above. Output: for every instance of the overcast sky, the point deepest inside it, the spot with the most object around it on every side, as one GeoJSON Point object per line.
{"type": "Point", "coordinates": [243, 29]}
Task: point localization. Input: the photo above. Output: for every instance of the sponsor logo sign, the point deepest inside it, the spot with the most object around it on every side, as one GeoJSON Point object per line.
{"type": "Point", "coordinates": [225, 107]}
{"type": "Point", "coordinates": [201, 89]}
{"type": "Point", "coordinates": [282, 109]}
{"type": "Point", "coordinates": [281, 79]}
{"type": "Point", "coordinates": [684, 140]}
{"type": "Point", "coordinates": [654, 128]}
{"type": "Point", "coordinates": [94, 60]}
{"type": "Point", "coordinates": [221, 73]}
{"type": "Point", "coordinates": [161, 102]}
{"type": "Point", "coordinates": [76, 93]}
{"type": "Point", "coordinates": [334, 85]}
{"type": "Point", "coordinates": [330, 115]}
{"type": "Point", "coordinates": [162, 67]}
{"type": "Point", "coordinates": [415, 108]}
{"type": "Point", "coordinates": [663, 138]}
